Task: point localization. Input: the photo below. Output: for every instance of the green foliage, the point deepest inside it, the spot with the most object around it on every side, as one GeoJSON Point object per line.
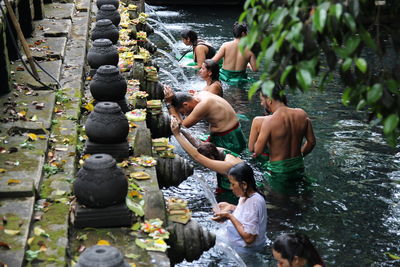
{"type": "Point", "coordinates": [359, 39]}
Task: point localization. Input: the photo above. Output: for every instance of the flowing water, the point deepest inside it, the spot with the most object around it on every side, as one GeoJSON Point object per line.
{"type": "Point", "coordinates": [353, 214]}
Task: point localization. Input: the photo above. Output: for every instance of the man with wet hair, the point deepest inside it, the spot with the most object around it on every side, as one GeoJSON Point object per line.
{"type": "Point", "coordinates": [201, 49]}
{"type": "Point", "coordinates": [282, 134]}
{"type": "Point", "coordinates": [225, 130]}
{"type": "Point", "coordinates": [233, 70]}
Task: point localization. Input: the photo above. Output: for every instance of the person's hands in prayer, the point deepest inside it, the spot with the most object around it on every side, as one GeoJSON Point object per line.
{"type": "Point", "coordinates": [168, 93]}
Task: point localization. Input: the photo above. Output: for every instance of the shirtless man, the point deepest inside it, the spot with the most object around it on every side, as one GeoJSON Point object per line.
{"type": "Point", "coordinates": [282, 133]}
{"type": "Point", "coordinates": [235, 62]}
{"type": "Point", "coordinates": [225, 130]}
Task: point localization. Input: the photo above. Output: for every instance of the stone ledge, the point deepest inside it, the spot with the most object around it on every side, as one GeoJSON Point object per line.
{"type": "Point", "coordinates": [47, 48]}
{"type": "Point", "coordinates": [59, 10]}
{"type": "Point", "coordinates": [18, 212]}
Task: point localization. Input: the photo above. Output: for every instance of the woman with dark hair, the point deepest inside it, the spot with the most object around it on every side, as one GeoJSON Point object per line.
{"type": "Point", "coordinates": [209, 72]}
{"type": "Point", "coordinates": [201, 49]}
{"type": "Point", "coordinates": [207, 154]}
{"type": "Point", "coordinates": [247, 222]}
{"type": "Point", "coordinates": [296, 250]}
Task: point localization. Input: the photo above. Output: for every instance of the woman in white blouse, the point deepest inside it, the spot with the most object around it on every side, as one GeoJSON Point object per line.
{"type": "Point", "coordinates": [247, 222]}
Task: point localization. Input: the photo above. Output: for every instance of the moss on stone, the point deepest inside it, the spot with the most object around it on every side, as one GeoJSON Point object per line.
{"type": "Point", "coordinates": [13, 222]}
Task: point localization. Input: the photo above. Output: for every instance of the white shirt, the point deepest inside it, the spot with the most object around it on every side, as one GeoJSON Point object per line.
{"type": "Point", "coordinates": [252, 214]}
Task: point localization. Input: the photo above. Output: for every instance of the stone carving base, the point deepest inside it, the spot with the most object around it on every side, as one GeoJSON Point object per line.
{"type": "Point", "coordinates": [114, 216]}
{"type": "Point", "coordinates": [117, 151]}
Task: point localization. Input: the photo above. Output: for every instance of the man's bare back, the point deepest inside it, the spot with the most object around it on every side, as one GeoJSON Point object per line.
{"type": "Point", "coordinates": [213, 109]}
{"type": "Point", "coordinates": [233, 58]}
{"type": "Point", "coordinates": [283, 132]}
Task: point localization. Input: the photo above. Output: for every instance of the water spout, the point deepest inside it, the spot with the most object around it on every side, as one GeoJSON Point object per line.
{"type": "Point", "coordinates": [175, 62]}
{"type": "Point", "coordinates": [169, 42]}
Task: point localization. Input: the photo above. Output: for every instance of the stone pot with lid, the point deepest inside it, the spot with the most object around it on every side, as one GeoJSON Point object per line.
{"type": "Point", "coordinates": [105, 29]}
{"type": "Point", "coordinates": [109, 12]}
{"type": "Point", "coordinates": [100, 182]}
{"type": "Point", "coordinates": [105, 256]}
{"type": "Point", "coordinates": [106, 124]}
{"type": "Point", "coordinates": [102, 52]}
{"type": "Point", "coordinates": [100, 3]}
{"type": "Point", "coordinates": [108, 84]}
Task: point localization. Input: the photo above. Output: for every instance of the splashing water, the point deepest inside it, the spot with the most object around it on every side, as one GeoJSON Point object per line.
{"type": "Point", "coordinates": [162, 26]}
{"type": "Point", "coordinates": [175, 62]}
{"type": "Point", "coordinates": [172, 77]}
{"type": "Point", "coordinates": [229, 252]}
{"type": "Point", "coordinates": [169, 42]}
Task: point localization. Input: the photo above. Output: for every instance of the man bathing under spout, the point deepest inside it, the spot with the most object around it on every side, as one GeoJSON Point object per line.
{"type": "Point", "coordinates": [225, 130]}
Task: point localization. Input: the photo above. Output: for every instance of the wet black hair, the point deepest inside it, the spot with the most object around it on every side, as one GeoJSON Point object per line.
{"type": "Point", "coordinates": [179, 98]}
{"type": "Point", "coordinates": [189, 34]}
{"type": "Point", "coordinates": [209, 150]}
{"type": "Point", "coordinates": [239, 28]}
{"type": "Point", "coordinates": [212, 66]}
{"type": "Point", "coordinates": [278, 93]}
{"type": "Point", "coordinates": [291, 245]}
{"type": "Point", "coordinates": [242, 172]}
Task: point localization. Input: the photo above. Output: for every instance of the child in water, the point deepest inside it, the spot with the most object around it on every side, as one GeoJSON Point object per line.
{"type": "Point", "coordinates": [296, 250]}
{"type": "Point", "coordinates": [247, 222]}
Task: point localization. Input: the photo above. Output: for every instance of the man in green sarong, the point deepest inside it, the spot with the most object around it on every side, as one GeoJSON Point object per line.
{"type": "Point", "coordinates": [225, 130]}
{"type": "Point", "coordinates": [282, 133]}
{"type": "Point", "coordinates": [233, 70]}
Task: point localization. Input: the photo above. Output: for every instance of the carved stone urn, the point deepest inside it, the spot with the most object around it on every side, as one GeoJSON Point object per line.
{"type": "Point", "coordinates": [108, 84]}
{"type": "Point", "coordinates": [100, 182]}
{"type": "Point", "coordinates": [115, 3]}
{"type": "Point", "coordinates": [105, 256]}
{"type": "Point", "coordinates": [105, 29]}
{"type": "Point", "coordinates": [107, 124]}
{"type": "Point", "coordinates": [102, 52]}
{"type": "Point", "coordinates": [109, 12]}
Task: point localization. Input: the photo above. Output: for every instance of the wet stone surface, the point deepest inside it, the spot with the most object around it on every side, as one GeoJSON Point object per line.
{"type": "Point", "coordinates": [52, 28]}
{"type": "Point", "coordinates": [59, 10]}
{"type": "Point", "coordinates": [47, 48]}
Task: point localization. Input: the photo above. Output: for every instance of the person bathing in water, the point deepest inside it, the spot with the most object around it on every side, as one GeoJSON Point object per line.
{"type": "Point", "coordinates": [201, 49]}
{"type": "Point", "coordinates": [215, 158]}
{"type": "Point", "coordinates": [296, 250]}
{"type": "Point", "coordinates": [235, 62]}
{"type": "Point", "coordinates": [246, 223]}
{"type": "Point", "coordinates": [209, 72]}
{"type": "Point", "coordinates": [225, 130]}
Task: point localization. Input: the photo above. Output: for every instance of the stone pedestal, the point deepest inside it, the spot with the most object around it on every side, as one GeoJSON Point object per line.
{"type": "Point", "coordinates": [117, 151]}
{"type": "Point", "coordinates": [112, 216]}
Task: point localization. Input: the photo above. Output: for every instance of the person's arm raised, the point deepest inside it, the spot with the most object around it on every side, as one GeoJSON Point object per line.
{"type": "Point", "coordinates": [197, 114]}
{"type": "Point", "coordinates": [168, 96]}
{"type": "Point", "coordinates": [219, 166]}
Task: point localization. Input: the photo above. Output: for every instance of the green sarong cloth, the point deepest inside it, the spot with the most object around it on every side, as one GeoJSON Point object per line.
{"type": "Point", "coordinates": [224, 191]}
{"type": "Point", "coordinates": [285, 176]}
{"type": "Point", "coordinates": [233, 77]}
{"type": "Point", "coordinates": [232, 140]}
{"type": "Point", "coordinates": [188, 60]}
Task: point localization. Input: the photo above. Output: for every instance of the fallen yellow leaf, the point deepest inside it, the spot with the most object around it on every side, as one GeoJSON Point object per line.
{"type": "Point", "coordinates": [2, 170]}
{"type": "Point", "coordinates": [12, 232]}
{"type": "Point", "coordinates": [30, 240]}
{"type": "Point", "coordinates": [42, 137]}
{"type": "Point", "coordinates": [89, 106]}
{"type": "Point", "coordinates": [103, 243]}
{"type": "Point", "coordinates": [13, 181]}
{"type": "Point", "coordinates": [32, 136]}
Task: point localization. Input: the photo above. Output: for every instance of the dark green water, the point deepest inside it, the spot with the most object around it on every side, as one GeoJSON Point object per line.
{"type": "Point", "coordinates": [353, 216]}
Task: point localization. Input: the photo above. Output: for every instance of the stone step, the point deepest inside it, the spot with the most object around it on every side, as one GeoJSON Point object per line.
{"type": "Point", "coordinates": [50, 48]}
{"type": "Point", "coordinates": [22, 170]}
{"type": "Point", "coordinates": [16, 214]}
{"type": "Point", "coordinates": [23, 77]}
{"type": "Point", "coordinates": [27, 109]}
{"type": "Point", "coordinates": [52, 28]}
{"type": "Point", "coordinates": [59, 10]}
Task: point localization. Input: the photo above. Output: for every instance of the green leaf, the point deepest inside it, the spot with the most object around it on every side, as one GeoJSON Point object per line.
{"type": "Point", "coordinates": [349, 21]}
{"type": "Point", "coordinates": [346, 96]}
{"type": "Point", "coordinates": [319, 19]}
{"type": "Point", "coordinates": [361, 104]}
{"type": "Point", "coordinates": [135, 207]}
{"type": "Point", "coordinates": [347, 64]}
{"type": "Point", "coordinates": [374, 93]}
{"type": "Point", "coordinates": [135, 226]}
{"type": "Point", "coordinates": [336, 10]}
{"type": "Point", "coordinates": [303, 77]}
{"type": "Point", "coordinates": [267, 88]}
{"type": "Point", "coordinates": [285, 73]}
{"type": "Point", "coordinates": [366, 37]}
{"type": "Point", "coordinates": [393, 86]}
{"type": "Point", "coordinates": [253, 89]}
{"type": "Point", "coordinates": [140, 243]}
{"type": "Point", "coordinates": [361, 64]}
{"type": "Point", "coordinates": [390, 123]}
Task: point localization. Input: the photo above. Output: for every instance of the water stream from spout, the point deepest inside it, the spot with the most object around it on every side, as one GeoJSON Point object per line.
{"type": "Point", "coordinates": [175, 62]}
{"type": "Point", "coordinates": [208, 193]}
{"type": "Point", "coordinates": [172, 77]}
{"type": "Point", "coordinates": [162, 26]}
{"type": "Point", "coordinates": [169, 42]}
{"type": "Point", "coordinates": [229, 253]}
